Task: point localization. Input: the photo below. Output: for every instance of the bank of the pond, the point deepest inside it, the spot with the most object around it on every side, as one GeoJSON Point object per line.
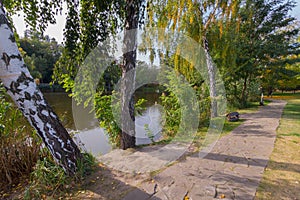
{"type": "Point", "coordinates": [85, 127]}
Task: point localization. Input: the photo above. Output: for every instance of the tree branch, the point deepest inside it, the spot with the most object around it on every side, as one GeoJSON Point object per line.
{"type": "Point", "coordinates": [210, 17]}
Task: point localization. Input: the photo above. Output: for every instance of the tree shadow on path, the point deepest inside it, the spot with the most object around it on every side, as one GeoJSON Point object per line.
{"type": "Point", "coordinates": [105, 184]}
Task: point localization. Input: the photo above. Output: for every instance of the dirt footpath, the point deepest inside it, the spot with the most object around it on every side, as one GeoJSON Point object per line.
{"type": "Point", "coordinates": [232, 170]}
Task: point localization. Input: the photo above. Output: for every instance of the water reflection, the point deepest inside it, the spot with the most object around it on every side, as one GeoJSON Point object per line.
{"type": "Point", "coordinates": [148, 125]}
{"type": "Point", "coordinates": [93, 138]}
{"type": "Point", "coordinates": [94, 141]}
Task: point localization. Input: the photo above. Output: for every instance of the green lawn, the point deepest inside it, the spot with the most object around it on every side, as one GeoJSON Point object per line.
{"type": "Point", "coordinates": [281, 179]}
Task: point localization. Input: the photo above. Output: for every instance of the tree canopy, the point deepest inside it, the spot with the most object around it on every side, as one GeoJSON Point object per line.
{"type": "Point", "coordinates": [40, 54]}
{"type": "Point", "coordinates": [245, 38]}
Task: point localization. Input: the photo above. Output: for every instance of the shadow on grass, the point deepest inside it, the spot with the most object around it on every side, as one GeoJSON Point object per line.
{"type": "Point", "coordinates": [277, 189]}
{"type": "Point", "coordinates": [292, 110]}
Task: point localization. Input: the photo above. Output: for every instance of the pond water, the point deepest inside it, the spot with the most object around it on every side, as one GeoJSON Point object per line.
{"type": "Point", "coordinates": [93, 138]}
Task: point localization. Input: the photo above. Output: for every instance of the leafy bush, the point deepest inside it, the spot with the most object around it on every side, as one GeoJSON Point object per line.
{"type": "Point", "coordinates": [179, 104]}
{"type": "Point", "coordinates": [107, 120]}
{"type": "Point", "coordinates": [105, 114]}
{"type": "Point", "coordinates": [172, 113]}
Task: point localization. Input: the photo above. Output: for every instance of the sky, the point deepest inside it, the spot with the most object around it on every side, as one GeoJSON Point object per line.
{"type": "Point", "coordinates": [56, 30]}
{"type": "Point", "coordinates": [296, 11]}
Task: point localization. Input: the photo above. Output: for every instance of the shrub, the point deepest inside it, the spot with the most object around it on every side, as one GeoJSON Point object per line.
{"type": "Point", "coordinates": [105, 107]}
{"type": "Point", "coordinates": [49, 179]}
{"type": "Point", "coordinates": [19, 145]}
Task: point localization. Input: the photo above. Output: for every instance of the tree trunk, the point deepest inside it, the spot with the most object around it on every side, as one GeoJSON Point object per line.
{"type": "Point", "coordinates": [212, 80]}
{"type": "Point", "coordinates": [261, 99]}
{"type": "Point", "coordinates": [23, 90]}
{"type": "Point", "coordinates": [244, 90]}
{"type": "Point", "coordinates": [128, 74]}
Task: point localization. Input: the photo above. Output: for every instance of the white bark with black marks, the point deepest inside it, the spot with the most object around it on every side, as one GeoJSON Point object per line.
{"type": "Point", "coordinates": [23, 90]}
{"type": "Point", "coordinates": [128, 74]}
{"type": "Point", "coordinates": [212, 80]}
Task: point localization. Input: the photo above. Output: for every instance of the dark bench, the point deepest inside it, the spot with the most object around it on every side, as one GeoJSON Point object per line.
{"type": "Point", "coordinates": [233, 116]}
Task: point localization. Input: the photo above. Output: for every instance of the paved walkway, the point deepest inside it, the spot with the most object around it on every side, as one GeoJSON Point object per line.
{"type": "Point", "coordinates": [232, 170]}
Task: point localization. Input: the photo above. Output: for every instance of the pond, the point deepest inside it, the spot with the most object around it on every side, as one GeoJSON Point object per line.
{"type": "Point", "coordinates": [90, 136]}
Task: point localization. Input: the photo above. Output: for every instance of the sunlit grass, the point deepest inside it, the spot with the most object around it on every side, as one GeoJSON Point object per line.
{"type": "Point", "coordinates": [281, 177]}
{"type": "Point", "coordinates": [284, 96]}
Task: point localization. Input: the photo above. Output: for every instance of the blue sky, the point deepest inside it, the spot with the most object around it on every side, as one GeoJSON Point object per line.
{"type": "Point", "coordinates": [56, 30]}
{"type": "Point", "coordinates": [296, 11]}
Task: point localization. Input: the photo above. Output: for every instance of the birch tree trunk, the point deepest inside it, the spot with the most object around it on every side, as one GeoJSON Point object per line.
{"type": "Point", "coordinates": [212, 80]}
{"type": "Point", "coordinates": [23, 90]}
{"type": "Point", "coordinates": [128, 74]}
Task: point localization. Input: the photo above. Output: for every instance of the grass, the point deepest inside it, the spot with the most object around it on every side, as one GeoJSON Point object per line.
{"type": "Point", "coordinates": [199, 136]}
{"type": "Point", "coordinates": [49, 181]}
{"type": "Point", "coordinates": [252, 107]}
{"type": "Point", "coordinates": [19, 146]}
{"type": "Point", "coordinates": [281, 179]}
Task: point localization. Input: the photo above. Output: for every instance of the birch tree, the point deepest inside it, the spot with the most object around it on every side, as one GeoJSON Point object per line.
{"type": "Point", "coordinates": [89, 23]}
{"type": "Point", "coordinates": [21, 87]}
{"type": "Point", "coordinates": [128, 74]}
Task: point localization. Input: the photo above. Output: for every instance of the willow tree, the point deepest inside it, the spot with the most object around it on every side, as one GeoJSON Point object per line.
{"type": "Point", "coordinates": [194, 18]}
{"type": "Point", "coordinates": [21, 87]}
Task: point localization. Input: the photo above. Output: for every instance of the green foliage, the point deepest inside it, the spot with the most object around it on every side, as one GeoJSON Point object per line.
{"type": "Point", "coordinates": [40, 54]}
{"type": "Point", "coordinates": [149, 133]}
{"type": "Point", "coordinates": [21, 155]}
{"type": "Point", "coordinates": [244, 37]}
{"type": "Point", "coordinates": [264, 36]}
{"type": "Point", "coordinates": [85, 166]}
{"type": "Point", "coordinates": [107, 109]}
{"type": "Point", "coordinates": [172, 113]}
{"type": "Point", "coordinates": [104, 112]}
{"type": "Point", "coordinates": [139, 106]}
{"type": "Point", "coordinates": [253, 44]}
{"type": "Point", "coordinates": [49, 180]}
{"type": "Point", "coordinates": [38, 14]}
{"type": "Point", "coordinates": [46, 179]}
{"type": "Point", "coordinates": [179, 105]}
{"type": "Point", "coordinates": [285, 77]}
{"type": "Point", "coordinates": [19, 145]}
{"type": "Point", "coordinates": [88, 24]}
